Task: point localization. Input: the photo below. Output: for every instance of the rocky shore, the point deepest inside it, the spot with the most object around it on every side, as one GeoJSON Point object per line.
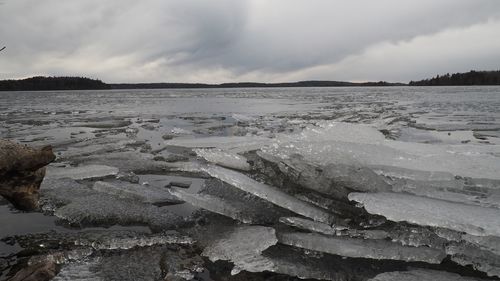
{"type": "Point", "coordinates": [21, 172]}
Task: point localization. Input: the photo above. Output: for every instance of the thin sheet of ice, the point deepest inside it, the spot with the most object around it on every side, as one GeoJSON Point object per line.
{"type": "Point", "coordinates": [224, 158]}
{"type": "Point", "coordinates": [82, 172]}
{"type": "Point", "coordinates": [233, 143]}
{"type": "Point", "coordinates": [361, 248]}
{"type": "Point", "coordinates": [333, 142]}
{"type": "Point", "coordinates": [145, 194]}
{"type": "Point", "coordinates": [398, 207]}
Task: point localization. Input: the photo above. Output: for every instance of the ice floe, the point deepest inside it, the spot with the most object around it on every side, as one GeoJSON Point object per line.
{"type": "Point", "coordinates": [398, 207]}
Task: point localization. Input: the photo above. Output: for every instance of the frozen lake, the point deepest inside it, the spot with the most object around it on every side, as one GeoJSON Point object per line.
{"type": "Point", "coordinates": [299, 182]}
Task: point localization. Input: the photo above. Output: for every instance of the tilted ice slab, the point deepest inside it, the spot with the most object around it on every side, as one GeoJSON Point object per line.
{"type": "Point", "coordinates": [398, 207]}
{"type": "Point", "coordinates": [244, 247]}
{"type": "Point", "coordinates": [103, 209]}
{"type": "Point", "coordinates": [361, 248]}
{"type": "Point", "coordinates": [336, 229]}
{"type": "Point", "coordinates": [213, 204]}
{"type": "Point", "coordinates": [310, 225]}
{"type": "Point", "coordinates": [224, 158]}
{"type": "Point", "coordinates": [422, 275]}
{"type": "Point", "coordinates": [269, 193]}
{"type": "Point", "coordinates": [82, 172]}
{"type": "Point", "coordinates": [145, 194]}
{"type": "Point", "coordinates": [333, 142]}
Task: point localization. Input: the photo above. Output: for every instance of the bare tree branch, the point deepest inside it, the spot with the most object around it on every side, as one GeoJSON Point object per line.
{"type": "Point", "coordinates": [2, 49]}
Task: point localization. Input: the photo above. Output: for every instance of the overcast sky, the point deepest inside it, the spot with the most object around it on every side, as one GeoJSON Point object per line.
{"type": "Point", "coordinates": [248, 40]}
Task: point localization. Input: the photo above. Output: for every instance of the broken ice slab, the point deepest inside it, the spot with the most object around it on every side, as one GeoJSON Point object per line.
{"type": "Point", "coordinates": [136, 192]}
{"type": "Point", "coordinates": [310, 225]}
{"type": "Point", "coordinates": [455, 190]}
{"type": "Point", "coordinates": [470, 255]}
{"type": "Point", "coordinates": [213, 204]}
{"type": "Point", "coordinates": [425, 211]}
{"type": "Point", "coordinates": [361, 248]}
{"type": "Point", "coordinates": [488, 243]}
{"type": "Point", "coordinates": [80, 149]}
{"type": "Point", "coordinates": [234, 144]}
{"type": "Point", "coordinates": [422, 275]}
{"type": "Point", "coordinates": [269, 193]}
{"type": "Point", "coordinates": [107, 124]}
{"type": "Point", "coordinates": [82, 172]}
{"type": "Point", "coordinates": [224, 158]}
{"type": "Point", "coordinates": [216, 197]}
{"type": "Point", "coordinates": [55, 193]}
{"type": "Point", "coordinates": [253, 208]}
{"type": "Point", "coordinates": [336, 229]}
{"type": "Point", "coordinates": [336, 180]}
{"type": "Point", "coordinates": [243, 247]}
{"type": "Point", "coordinates": [344, 143]}
{"type": "Point", "coordinates": [417, 175]}
{"type": "Point", "coordinates": [138, 163]}
{"type": "Point", "coordinates": [106, 210]}
{"type": "Point", "coordinates": [231, 245]}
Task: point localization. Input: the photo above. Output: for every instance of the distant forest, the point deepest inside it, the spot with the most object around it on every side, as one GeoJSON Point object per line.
{"type": "Point", "coordinates": [251, 85]}
{"type": "Point", "coordinates": [462, 79]}
{"type": "Point", "coordinates": [40, 83]}
{"type": "Point", "coordinates": [80, 83]}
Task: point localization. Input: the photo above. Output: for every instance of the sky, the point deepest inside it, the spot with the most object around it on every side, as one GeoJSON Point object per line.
{"type": "Point", "coordinates": [215, 41]}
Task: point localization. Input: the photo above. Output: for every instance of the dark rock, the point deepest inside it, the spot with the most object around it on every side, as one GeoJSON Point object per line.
{"type": "Point", "coordinates": [184, 184]}
{"type": "Point", "coordinates": [168, 136]}
{"type": "Point", "coordinates": [41, 271]}
{"type": "Point", "coordinates": [21, 172]}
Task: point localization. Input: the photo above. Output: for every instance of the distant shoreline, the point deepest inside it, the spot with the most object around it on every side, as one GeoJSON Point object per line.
{"type": "Point", "coordinates": [39, 83]}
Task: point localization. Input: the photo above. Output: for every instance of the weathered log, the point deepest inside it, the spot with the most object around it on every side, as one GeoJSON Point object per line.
{"type": "Point", "coordinates": [22, 170]}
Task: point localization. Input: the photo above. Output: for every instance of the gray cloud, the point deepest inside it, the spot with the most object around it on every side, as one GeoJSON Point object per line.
{"type": "Point", "coordinates": [227, 40]}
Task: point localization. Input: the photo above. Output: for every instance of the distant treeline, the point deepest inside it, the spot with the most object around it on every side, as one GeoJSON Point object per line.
{"type": "Point", "coordinates": [462, 79]}
{"type": "Point", "coordinates": [250, 85]}
{"type": "Point", "coordinates": [80, 83]}
{"type": "Point", "coordinates": [40, 83]}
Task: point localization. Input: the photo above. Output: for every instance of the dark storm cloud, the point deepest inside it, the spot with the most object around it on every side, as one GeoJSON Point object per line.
{"type": "Point", "coordinates": [228, 40]}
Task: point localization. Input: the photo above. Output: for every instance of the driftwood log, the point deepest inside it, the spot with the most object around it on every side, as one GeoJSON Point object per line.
{"type": "Point", "coordinates": [22, 169]}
